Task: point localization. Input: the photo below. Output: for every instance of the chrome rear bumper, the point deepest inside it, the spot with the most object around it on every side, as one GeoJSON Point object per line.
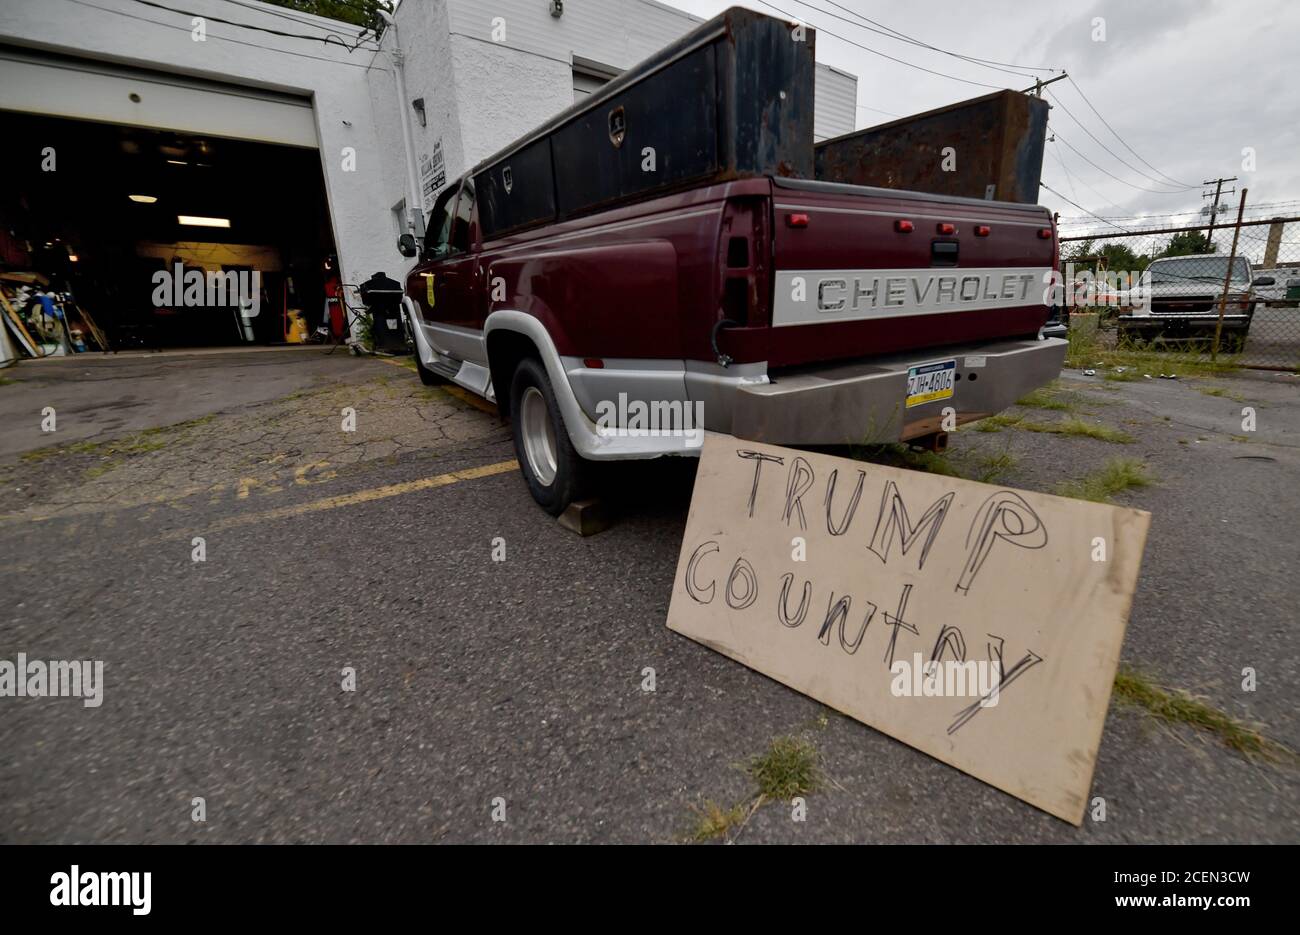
{"type": "Point", "coordinates": [865, 402]}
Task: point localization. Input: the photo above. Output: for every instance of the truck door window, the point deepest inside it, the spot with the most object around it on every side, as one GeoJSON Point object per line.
{"type": "Point", "coordinates": [438, 234]}
{"type": "Point", "coordinates": [460, 222]}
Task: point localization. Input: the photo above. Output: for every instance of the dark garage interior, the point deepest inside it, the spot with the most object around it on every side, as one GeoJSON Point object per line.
{"type": "Point", "coordinates": [92, 212]}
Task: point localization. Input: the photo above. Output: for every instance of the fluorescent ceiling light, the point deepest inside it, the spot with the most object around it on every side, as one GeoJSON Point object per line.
{"type": "Point", "coordinates": [178, 162]}
{"type": "Point", "coordinates": [143, 199]}
{"type": "Point", "coordinates": [194, 221]}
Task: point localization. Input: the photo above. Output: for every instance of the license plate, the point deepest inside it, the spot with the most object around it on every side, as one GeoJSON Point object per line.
{"type": "Point", "coordinates": [929, 382]}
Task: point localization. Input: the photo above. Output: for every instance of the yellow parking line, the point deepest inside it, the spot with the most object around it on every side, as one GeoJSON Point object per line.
{"type": "Point", "coordinates": [465, 396]}
{"type": "Point", "coordinates": [365, 496]}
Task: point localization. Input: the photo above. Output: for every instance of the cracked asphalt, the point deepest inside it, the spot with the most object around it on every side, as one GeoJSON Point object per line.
{"type": "Point", "coordinates": [520, 680]}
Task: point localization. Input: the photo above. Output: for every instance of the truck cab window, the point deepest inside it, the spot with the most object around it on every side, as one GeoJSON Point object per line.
{"type": "Point", "coordinates": [460, 222]}
{"type": "Point", "coordinates": [438, 234]}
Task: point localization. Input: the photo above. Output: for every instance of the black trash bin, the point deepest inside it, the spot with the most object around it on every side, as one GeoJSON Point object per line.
{"type": "Point", "coordinates": [383, 299]}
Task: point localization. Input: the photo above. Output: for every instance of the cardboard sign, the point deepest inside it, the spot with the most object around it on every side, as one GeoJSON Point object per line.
{"type": "Point", "coordinates": [978, 624]}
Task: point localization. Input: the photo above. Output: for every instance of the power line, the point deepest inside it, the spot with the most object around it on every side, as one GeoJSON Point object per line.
{"type": "Point", "coordinates": [1264, 206]}
{"type": "Point", "coordinates": [1079, 90]}
{"type": "Point", "coordinates": [251, 45]}
{"type": "Point", "coordinates": [1069, 177]}
{"type": "Point", "coordinates": [900, 37]}
{"type": "Point", "coordinates": [1082, 208]}
{"type": "Point", "coordinates": [877, 110]}
{"type": "Point", "coordinates": [1151, 178]}
{"type": "Point", "coordinates": [1154, 191]}
{"type": "Point", "coordinates": [274, 32]}
{"type": "Point", "coordinates": [285, 13]}
{"type": "Point", "coordinates": [794, 19]}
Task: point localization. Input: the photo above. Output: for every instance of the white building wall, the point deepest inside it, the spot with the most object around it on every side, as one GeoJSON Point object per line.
{"type": "Point", "coordinates": [836, 110]}
{"type": "Point", "coordinates": [504, 93]}
{"type": "Point", "coordinates": [615, 33]}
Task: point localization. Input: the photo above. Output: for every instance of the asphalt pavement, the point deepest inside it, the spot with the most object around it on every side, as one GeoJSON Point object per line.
{"type": "Point", "coordinates": [374, 555]}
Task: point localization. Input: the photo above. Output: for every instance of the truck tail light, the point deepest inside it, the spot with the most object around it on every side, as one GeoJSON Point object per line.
{"type": "Point", "coordinates": [902, 226]}
{"type": "Point", "coordinates": [745, 290]}
{"type": "Point", "coordinates": [798, 219]}
{"type": "Point", "coordinates": [982, 230]}
{"type": "Point", "coordinates": [946, 228]}
{"type": "Point", "coordinates": [1044, 233]}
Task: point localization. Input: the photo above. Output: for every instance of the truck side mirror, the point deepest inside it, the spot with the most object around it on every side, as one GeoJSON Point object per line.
{"type": "Point", "coordinates": [406, 245]}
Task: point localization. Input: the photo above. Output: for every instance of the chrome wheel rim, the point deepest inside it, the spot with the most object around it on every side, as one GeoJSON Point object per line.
{"type": "Point", "coordinates": [538, 435]}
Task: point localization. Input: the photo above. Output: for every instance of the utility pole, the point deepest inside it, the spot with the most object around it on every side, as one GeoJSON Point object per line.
{"type": "Point", "coordinates": [1227, 280]}
{"type": "Point", "coordinates": [1214, 209]}
{"type": "Point", "coordinates": [1039, 84]}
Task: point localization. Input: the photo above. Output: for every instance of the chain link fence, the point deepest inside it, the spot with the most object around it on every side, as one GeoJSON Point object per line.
{"type": "Point", "coordinates": [1229, 294]}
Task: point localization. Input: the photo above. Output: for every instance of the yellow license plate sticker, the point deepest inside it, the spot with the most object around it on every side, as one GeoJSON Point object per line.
{"type": "Point", "coordinates": [929, 382]}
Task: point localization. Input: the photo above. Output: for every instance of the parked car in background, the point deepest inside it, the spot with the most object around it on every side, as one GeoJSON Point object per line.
{"type": "Point", "coordinates": [1178, 299]}
{"type": "Point", "coordinates": [1277, 290]}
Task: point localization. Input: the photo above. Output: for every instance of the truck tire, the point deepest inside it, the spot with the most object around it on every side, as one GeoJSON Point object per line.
{"type": "Point", "coordinates": [427, 376]}
{"type": "Point", "coordinates": [555, 473]}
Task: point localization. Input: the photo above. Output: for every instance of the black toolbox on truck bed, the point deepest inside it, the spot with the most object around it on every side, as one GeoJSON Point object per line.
{"type": "Point", "coordinates": [731, 99]}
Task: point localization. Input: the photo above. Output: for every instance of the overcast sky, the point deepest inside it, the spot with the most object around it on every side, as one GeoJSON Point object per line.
{"type": "Point", "coordinates": [1188, 84]}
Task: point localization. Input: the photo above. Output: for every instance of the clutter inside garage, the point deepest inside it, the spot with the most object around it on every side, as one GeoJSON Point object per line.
{"type": "Point", "coordinates": [122, 238]}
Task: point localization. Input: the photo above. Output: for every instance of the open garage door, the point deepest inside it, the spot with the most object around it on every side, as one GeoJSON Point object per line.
{"type": "Point", "coordinates": [114, 237]}
{"type": "Point", "coordinates": [37, 82]}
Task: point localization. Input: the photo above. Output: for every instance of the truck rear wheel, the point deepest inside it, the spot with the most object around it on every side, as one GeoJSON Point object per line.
{"type": "Point", "coordinates": [556, 475]}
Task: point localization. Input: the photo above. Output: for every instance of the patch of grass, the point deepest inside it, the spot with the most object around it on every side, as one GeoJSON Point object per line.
{"type": "Point", "coordinates": [931, 462]}
{"type": "Point", "coordinates": [1180, 707]}
{"type": "Point", "coordinates": [1221, 391]}
{"type": "Point", "coordinates": [1080, 428]}
{"type": "Point", "coordinates": [1088, 351]}
{"type": "Point", "coordinates": [1115, 476]}
{"type": "Point", "coordinates": [989, 469]}
{"type": "Point", "coordinates": [998, 422]}
{"type": "Point", "coordinates": [1240, 438]}
{"type": "Point", "coordinates": [1045, 397]}
{"type": "Point", "coordinates": [902, 455]}
{"type": "Point", "coordinates": [714, 821]}
{"type": "Point", "coordinates": [5, 381]}
{"type": "Point", "coordinates": [787, 769]}
{"type": "Point", "coordinates": [1116, 376]}
{"type": "Point", "coordinates": [142, 442]}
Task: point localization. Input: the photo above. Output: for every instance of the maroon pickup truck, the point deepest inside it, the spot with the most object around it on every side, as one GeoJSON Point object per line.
{"type": "Point", "coordinates": [617, 312]}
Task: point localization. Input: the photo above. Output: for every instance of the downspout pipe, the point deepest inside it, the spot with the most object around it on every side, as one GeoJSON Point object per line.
{"type": "Point", "coordinates": [414, 201]}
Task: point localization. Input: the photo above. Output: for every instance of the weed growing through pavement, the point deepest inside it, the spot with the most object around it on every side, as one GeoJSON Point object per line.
{"type": "Point", "coordinates": [1115, 476]}
{"type": "Point", "coordinates": [1079, 428]}
{"type": "Point", "coordinates": [111, 452]}
{"type": "Point", "coordinates": [713, 821]}
{"type": "Point", "coordinates": [1174, 706]}
{"type": "Point", "coordinates": [786, 770]}
{"type": "Point", "coordinates": [1046, 397]}
{"type": "Point", "coordinates": [1221, 391]}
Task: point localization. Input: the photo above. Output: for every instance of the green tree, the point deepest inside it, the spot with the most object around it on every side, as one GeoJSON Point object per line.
{"type": "Point", "coordinates": [1120, 256]}
{"type": "Point", "coordinates": [363, 13]}
{"type": "Point", "coordinates": [1188, 242]}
